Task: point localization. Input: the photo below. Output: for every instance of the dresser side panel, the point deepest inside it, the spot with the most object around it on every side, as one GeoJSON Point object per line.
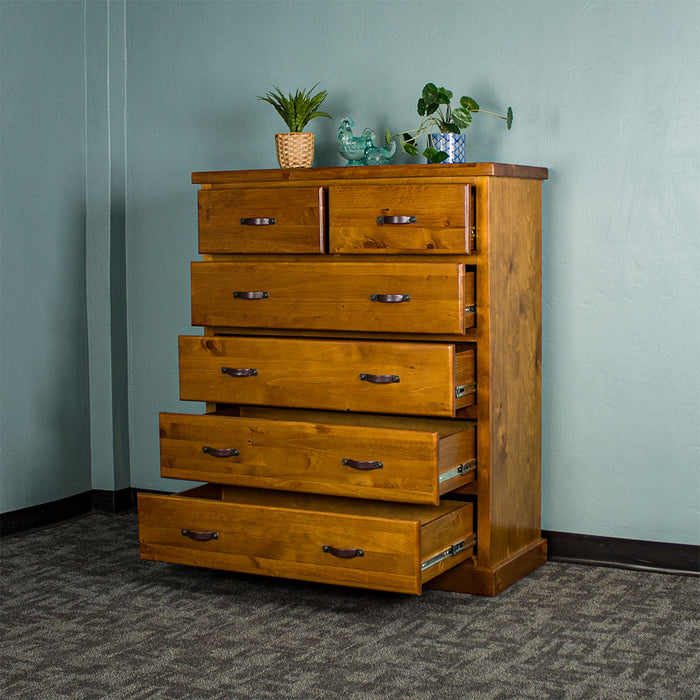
{"type": "Point", "coordinates": [515, 364]}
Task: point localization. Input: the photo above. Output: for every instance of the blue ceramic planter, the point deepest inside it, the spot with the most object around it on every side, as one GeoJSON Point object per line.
{"type": "Point", "coordinates": [455, 145]}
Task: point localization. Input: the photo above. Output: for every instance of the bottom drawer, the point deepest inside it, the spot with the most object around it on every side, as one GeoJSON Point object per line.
{"type": "Point", "coordinates": [367, 544]}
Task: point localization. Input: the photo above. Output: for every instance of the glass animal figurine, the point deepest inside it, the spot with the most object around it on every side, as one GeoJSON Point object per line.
{"type": "Point", "coordinates": [361, 150]}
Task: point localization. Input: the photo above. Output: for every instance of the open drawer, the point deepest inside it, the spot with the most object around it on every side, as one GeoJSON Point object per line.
{"type": "Point", "coordinates": [389, 458]}
{"type": "Point", "coordinates": [368, 544]}
{"type": "Point", "coordinates": [434, 379]}
{"type": "Point", "coordinates": [348, 296]}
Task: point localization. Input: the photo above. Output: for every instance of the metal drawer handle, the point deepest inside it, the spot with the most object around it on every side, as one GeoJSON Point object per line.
{"type": "Point", "coordinates": [343, 553]}
{"type": "Point", "coordinates": [363, 466]}
{"type": "Point", "coordinates": [396, 220]}
{"type": "Point", "coordinates": [239, 371]}
{"type": "Point", "coordinates": [380, 378]}
{"type": "Point", "coordinates": [251, 295]}
{"type": "Point", "coordinates": [220, 452]}
{"type": "Point", "coordinates": [258, 221]}
{"type": "Point", "coordinates": [203, 536]}
{"type": "Point", "coordinates": [390, 298]}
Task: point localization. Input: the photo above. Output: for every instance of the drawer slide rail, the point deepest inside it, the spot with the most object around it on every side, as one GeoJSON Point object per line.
{"type": "Point", "coordinates": [464, 468]}
{"type": "Point", "coordinates": [452, 551]}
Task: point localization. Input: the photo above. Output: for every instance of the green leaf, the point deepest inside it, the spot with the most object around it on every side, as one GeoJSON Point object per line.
{"type": "Point", "coordinates": [408, 138]}
{"type": "Point", "coordinates": [387, 137]}
{"type": "Point", "coordinates": [299, 109]}
{"type": "Point", "coordinates": [431, 108]}
{"type": "Point", "coordinates": [434, 156]}
{"type": "Point", "coordinates": [450, 128]}
{"type": "Point", "coordinates": [444, 96]}
{"type": "Point", "coordinates": [469, 103]}
{"type": "Point", "coordinates": [421, 107]}
{"type": "Point", "coordinates": [430, 93]}
{"type": "Point", "coordinates": [509, 117]}
{"type": "Point", "coordinates": [462, 117]}
{"type": "Point", "coordinates": [410, 148]}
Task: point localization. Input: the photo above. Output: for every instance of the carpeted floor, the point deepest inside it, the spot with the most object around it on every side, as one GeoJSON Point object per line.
{"type": "Point", "coordinates": [83, 617]}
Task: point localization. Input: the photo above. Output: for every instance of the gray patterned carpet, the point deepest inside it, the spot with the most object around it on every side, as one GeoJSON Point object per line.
{"type": "Point", "coordinates": [83, 617]}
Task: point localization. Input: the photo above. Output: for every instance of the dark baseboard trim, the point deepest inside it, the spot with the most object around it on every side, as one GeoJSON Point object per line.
{"type": "Point", "coordinates": [48, 513]}
{"type": "Point", "coordinates": [45, 514]}
{"type": "Point", "coordinates": [641, 555]}
{"type": "Point", "coordinates": [113, 501]}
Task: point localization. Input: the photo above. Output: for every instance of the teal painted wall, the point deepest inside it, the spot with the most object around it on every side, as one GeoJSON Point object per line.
{"type": "Point", "coordinates": [605, 94]}
{"type": "Point", "coordinates": [63, 350]}
{"type": "Point", "coordinates": [44, 411]}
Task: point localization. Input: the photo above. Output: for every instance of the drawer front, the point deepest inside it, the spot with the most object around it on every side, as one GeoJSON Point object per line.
{"type": "Point", "coordinates": [260, 220]}
{"type": "Point", "coordinates": [400, 219]}
{"type": "Point", "coordinates": [333, 540]}
{"type": "Point", "coordinates": [381, 297]}
{"type": "Point", "coordinates": [413, 463]}
{"type": "Point", "coordinates": [381, 377]}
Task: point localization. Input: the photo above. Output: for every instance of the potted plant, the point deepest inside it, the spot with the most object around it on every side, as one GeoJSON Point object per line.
{"type": "Point", "coordinates": [295, 148]}
{"type": "Point", "coordinates": [442, 125]}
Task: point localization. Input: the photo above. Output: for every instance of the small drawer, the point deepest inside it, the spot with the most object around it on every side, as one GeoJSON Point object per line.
{"type": "Point", "coordinates": [385, 546]}
{"type": "Point", "coordinates": [413, 460]}
{"type": "Point", "coordinates": [346, 296]}
{"type": "Point", "coordinates": [434, 379]}
{"type": "Point", "coordinates": [417, 219]}
{"type": "Point", "coordinates": [262, 220]}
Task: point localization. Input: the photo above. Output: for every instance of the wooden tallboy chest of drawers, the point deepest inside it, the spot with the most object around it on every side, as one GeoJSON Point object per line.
{"type": "Point", "coordinates": [370, 366]}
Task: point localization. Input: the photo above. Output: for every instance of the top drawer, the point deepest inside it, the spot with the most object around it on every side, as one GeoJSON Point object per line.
{"type": "Point", "coordinates": [400, 219]}
{"type": "Point", "coordinates": [262, 220]}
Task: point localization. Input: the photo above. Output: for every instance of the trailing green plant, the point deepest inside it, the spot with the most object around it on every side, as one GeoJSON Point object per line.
{"type": "Point", "coordinates": [434, 106]}
{"type": "Point", "coordinates": [299, 109]}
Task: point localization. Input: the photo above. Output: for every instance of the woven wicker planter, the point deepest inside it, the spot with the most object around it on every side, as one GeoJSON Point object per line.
{"type": "Point", "coordinates": [295, 149]}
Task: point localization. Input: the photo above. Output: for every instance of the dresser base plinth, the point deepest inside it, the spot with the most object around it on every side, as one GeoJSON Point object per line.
{"type": "Point", "coordinates": [467, 578]}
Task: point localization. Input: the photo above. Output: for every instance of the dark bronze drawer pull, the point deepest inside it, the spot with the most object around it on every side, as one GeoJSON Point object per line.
{"type": "Point", "coordinates": [343, 553]}
{"type": "Point", "coordinates": [363, 466]}
{"type": "Point", "coordinates": [239, 371]}
{"type": "Point", "coordinates": [390, 298]}
{"type": "Point", "coordinates": [220, 452]}
{"type": "Point", "coordinates": [380, 378]}
{"type": "Point", "coordinates": [251, 295]}
{"type": "Point", "coordinates": [396, 220]}
{"type": "Point", "coordinates": [258, 221]}
{"type": "Point", "coordinates": [204, 536]}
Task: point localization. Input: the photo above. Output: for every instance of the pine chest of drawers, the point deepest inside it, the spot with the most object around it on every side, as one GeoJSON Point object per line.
{"type": "Point", "coordinates": [370, 367]}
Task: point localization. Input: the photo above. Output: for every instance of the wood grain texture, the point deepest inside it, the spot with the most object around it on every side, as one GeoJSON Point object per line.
{"type": "Point", "coordinates": [324, 374]}
{"type": "Point", "coordinates": [490, 581]}
{"type": "Point", "coordinates": [440, 212]}
{"type": "Point", "coordinates": [278, 534]}
{"type": "Point", "coordinates": [299, 220]}
{"type": "Point", "coordinates": [416, 172]}
{"type": "Point", "coordinates": [304, 406]}
{"type": "Point", "coordinates": [309, 455]}
{"type": "Point", "coordinates": [333, 296]}
{"type": "Point", "coordinates": [515, 273]}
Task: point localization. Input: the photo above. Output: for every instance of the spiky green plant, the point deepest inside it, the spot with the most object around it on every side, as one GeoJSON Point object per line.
{"type": "Point", "coordinates": [299, 109]}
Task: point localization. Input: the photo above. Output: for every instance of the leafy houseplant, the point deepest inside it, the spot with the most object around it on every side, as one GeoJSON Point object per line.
{"type": "Point", "coordinates": [295, 149]}
{"type": "Point", "coordinates": [438, 116]}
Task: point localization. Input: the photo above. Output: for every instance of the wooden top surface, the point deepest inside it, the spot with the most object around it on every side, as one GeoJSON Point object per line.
{"type": "Point", "coordinates": [440, 171]}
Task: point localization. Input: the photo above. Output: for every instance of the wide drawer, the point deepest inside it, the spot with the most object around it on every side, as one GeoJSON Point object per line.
{"type": "Point", "coordinates": [381, 297]}
{"type": "Point", "coordinates": [401, 218]}
{"type": "Point", "coordinates": [363, 376]}
{"type": "Point", "coordinates": [413, 460]}
{"type": "Point", "coordinates": [262, 220]}
{"type": "Point", "coordinates": [386, 546]}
